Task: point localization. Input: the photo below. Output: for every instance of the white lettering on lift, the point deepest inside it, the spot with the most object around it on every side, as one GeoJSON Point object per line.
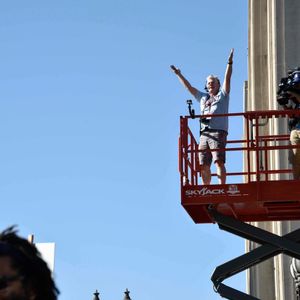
{"type": "Point", "coordinates": [204, 191]}
{"type": "Point", "coordinates": [233, 190]}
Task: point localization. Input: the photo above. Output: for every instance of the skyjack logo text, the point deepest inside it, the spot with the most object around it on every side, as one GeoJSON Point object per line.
{"type": "Point", "coordinates": [204, 192]}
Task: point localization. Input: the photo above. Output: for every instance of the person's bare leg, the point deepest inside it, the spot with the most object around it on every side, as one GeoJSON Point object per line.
{"type": "Point", "coordinates": [221, 171]}
{"type": "Point", "coordinates": [296, 165]}
{"type": "Point", "coordinates": [205, 174]}
{"type": "Point", "coordinates": [296, 172]}
{"type": "Point", "coordinates": [295, 141]}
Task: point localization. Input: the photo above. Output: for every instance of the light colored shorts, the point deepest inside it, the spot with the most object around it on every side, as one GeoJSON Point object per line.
{"type": "Point", "coordinates": [295, 140]}
{"type": "Point", "coordinates": [211, 140]}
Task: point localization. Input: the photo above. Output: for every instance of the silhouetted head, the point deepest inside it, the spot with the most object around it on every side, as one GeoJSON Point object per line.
{"type": "Point", "coordinates": [24, 275]}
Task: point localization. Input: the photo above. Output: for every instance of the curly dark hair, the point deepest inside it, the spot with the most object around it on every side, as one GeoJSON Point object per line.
{"type": "Point", "coordinates": [28, 262]}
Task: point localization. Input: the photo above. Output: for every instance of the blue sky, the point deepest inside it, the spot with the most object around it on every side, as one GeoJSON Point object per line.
{"type": "Point", "coordinates": [89, 118]}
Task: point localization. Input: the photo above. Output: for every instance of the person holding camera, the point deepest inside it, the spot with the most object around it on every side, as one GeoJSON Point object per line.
{"type": "Point", "coordinates": [213, 130]}
{"type": "Point", "coordinates": [289, 98]}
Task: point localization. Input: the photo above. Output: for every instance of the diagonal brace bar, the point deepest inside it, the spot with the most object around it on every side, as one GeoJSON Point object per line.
{"type": "Point", "coordinates": [271, 245]}
{"type": "Point", "coordinates": [256, 234]}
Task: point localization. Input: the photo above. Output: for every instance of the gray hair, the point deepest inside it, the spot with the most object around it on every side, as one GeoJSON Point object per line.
{"type": "Point", "coordinates": [214, 77]}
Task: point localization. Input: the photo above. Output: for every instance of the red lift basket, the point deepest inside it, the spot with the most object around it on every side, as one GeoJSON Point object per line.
{"type": "Point", "coordinates": [263, 195]}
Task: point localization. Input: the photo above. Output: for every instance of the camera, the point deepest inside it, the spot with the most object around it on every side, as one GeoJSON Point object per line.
{"type": "Point", "coordinates": [191, 111]}
{"type": "Point", "coordinates": [288, 84]}
{"type": "Point", "coordinates": [287, 89]}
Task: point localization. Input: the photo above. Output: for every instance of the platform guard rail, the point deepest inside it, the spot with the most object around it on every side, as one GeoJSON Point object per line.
{"type": "Point", "coordinates": [262, 196]}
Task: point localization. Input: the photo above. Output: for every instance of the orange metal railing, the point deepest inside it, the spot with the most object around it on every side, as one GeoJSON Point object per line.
{"type": "Point", "coordinates": [256, 146]}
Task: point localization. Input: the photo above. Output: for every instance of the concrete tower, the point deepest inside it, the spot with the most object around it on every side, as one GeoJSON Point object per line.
{"type": "Point", "coordinates": [274, 47]}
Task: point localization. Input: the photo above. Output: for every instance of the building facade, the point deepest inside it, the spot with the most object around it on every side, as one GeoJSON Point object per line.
{"type": "Point", "coordinates": [274, 48]}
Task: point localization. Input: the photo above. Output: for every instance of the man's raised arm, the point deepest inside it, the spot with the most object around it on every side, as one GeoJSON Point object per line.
{"type": "Point", "coordinates": [228, 72]}
{"type": "Point", "coordinates": [184, 81]}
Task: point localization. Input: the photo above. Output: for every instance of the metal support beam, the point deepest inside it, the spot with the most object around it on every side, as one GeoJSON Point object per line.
{"type": "Point", "coordinates": [271, 245]}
